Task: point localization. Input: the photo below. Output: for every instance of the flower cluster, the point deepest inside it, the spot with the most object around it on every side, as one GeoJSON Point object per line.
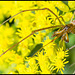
{"type": "Point", "coordinates": [19, 60]}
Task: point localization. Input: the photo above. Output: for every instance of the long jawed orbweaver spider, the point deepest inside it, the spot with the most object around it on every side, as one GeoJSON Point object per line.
{"type": "Point", "coordinates": [63, 33]}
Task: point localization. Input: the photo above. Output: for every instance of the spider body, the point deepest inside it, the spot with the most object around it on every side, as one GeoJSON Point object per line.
{"type": "Point", "coordinates": [69, 28]}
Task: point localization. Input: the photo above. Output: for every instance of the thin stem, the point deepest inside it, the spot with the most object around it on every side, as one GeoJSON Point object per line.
{"type": "Point", "coordinates": [71, 47]}
{"type": "Point", "coordinates": [32, 10]}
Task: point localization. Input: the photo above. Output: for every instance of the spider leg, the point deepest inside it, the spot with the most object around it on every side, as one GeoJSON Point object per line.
{"type": "Point", "coordinates": [73, 29]}
{"type": "Point", "coordinates": [16, 44]}
{"type": "Point", "coordinates": [65, 37]}
{"type": "Point", "coordinates": [46, 45]}
{"type": "Point", "coordinates": [29, 36]}
{"type": "Point", "coordinates": [61, 18]}
{"type": "Point", "coordinates": [31, 10]}
{"type": "Point", "coordinates": [72, 17]}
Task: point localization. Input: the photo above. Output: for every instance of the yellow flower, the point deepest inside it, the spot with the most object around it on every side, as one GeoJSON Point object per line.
{"type": "Point", "coordinates": [44, 64]}
{"type": "Point", "coordinates": [32, 66]}
{"type": "Point", "coordinates": [20, 68]}
{"type": "Point", "coordinates": [50, 48]}
{"type": "Point", "coordinates": [6, 37]}
{"type": "Point", "coordinates": [63, 7]}
{"type": "Point", "coordinates": [59, 64]}
{"type": "Point", "coordinates": [67, 17]}
{"type": "Point", "coordinates": [71, 4]}
{"type": "Point", "coordinates": [61, 53]}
